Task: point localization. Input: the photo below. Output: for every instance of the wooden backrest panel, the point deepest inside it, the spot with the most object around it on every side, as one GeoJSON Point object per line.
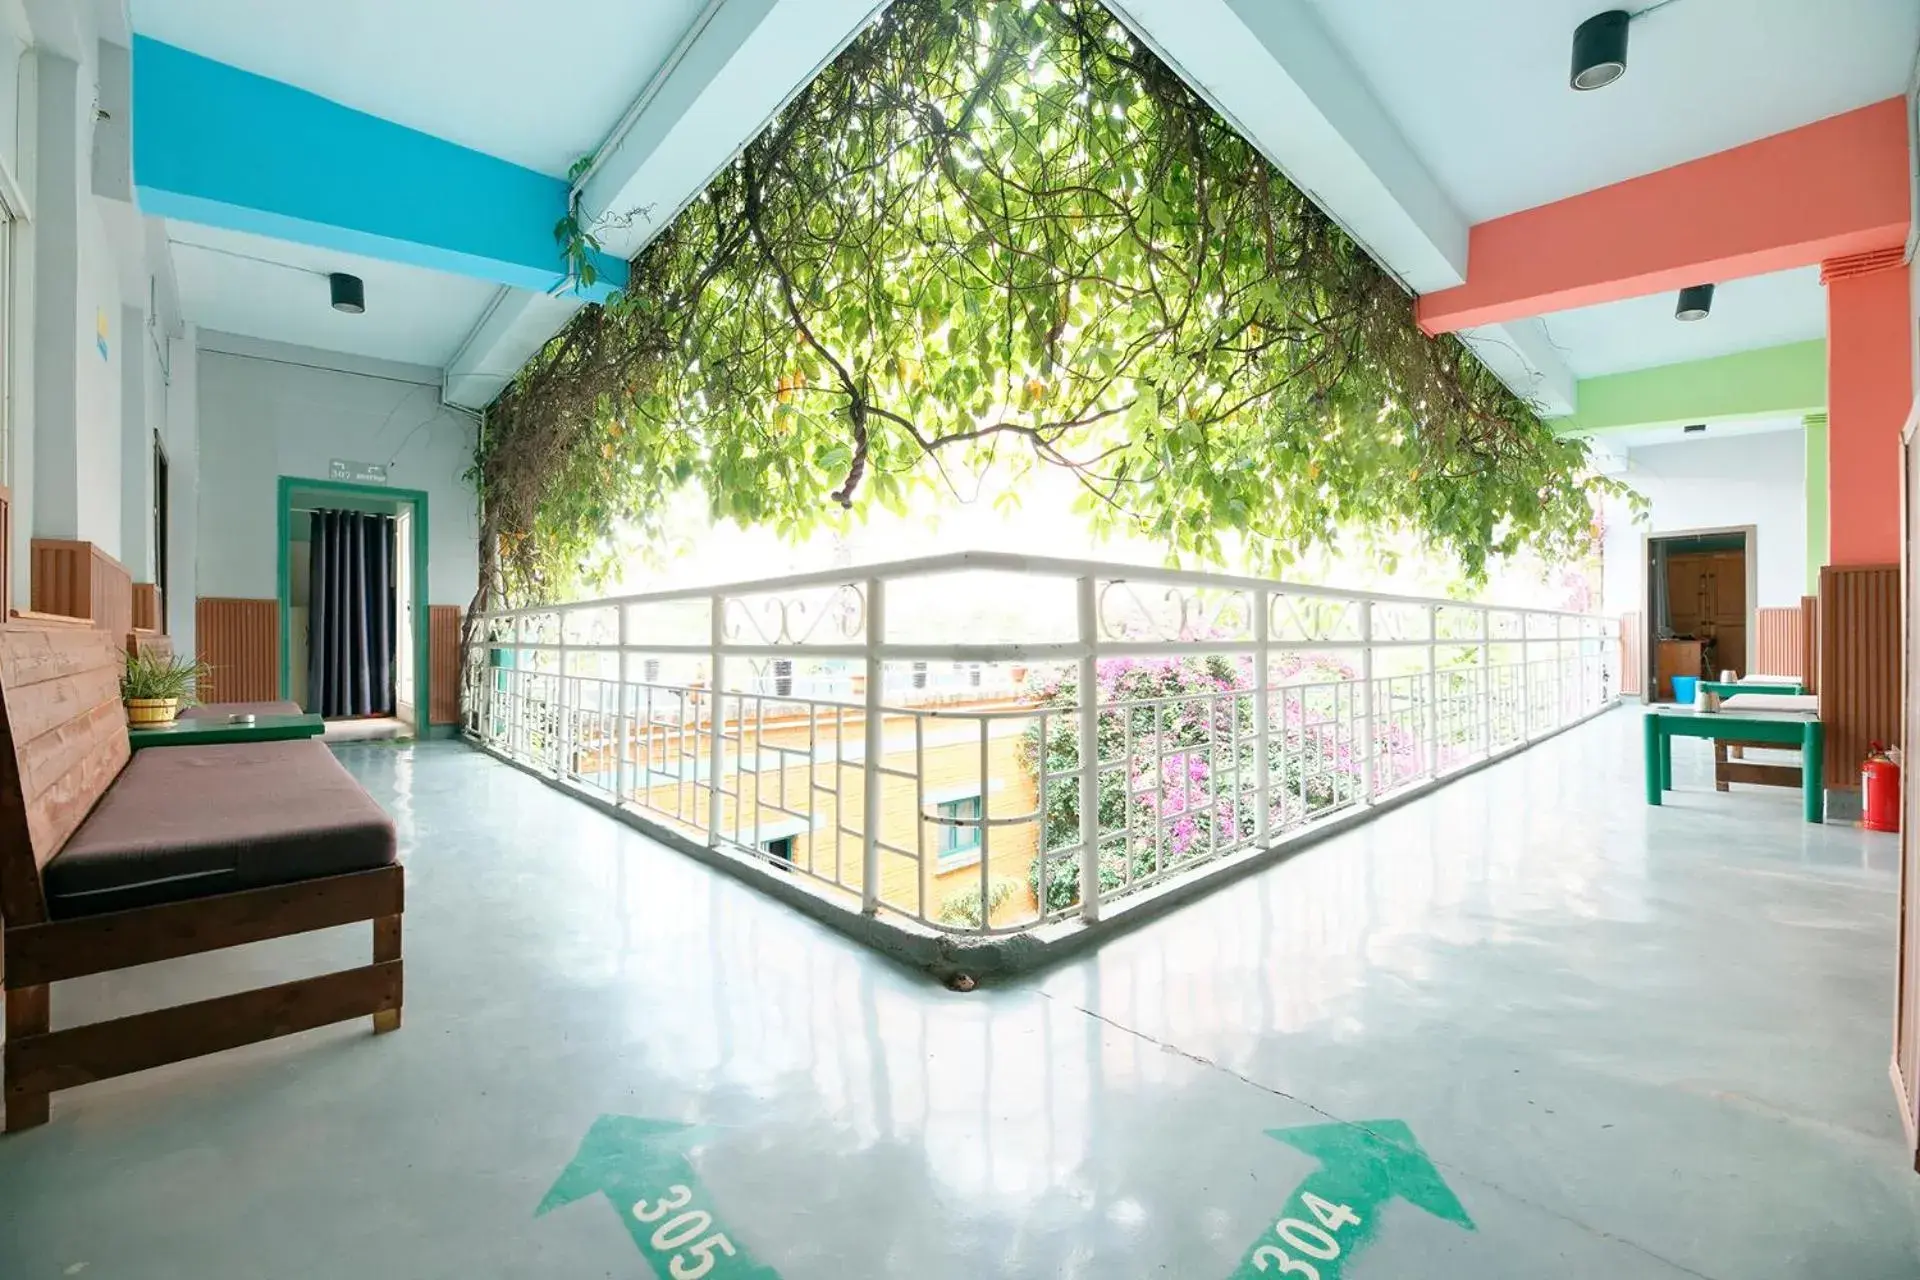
{"type": "Point", "coordinates": [443, 662]}
{"type": "Point", "coordinates": [80, 580]}
{"type": "Point", "coordinates": [1633, 655]}
{"type": "Point", "coordinates": [1781, 647]}
{"type": "Point", "coordinates": [63, 740]}
{"type": "Point", "coordinates": [1859, 664]}
{"type": "Point", "coordinates": [1810, 643]}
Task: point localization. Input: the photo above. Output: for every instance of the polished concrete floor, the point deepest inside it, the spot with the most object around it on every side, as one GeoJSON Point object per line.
{"type": "Point", "coordinates": [1632, 1043]}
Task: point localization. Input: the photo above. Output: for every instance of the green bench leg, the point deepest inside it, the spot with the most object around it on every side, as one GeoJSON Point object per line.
{"type": "Point", "coordinates": [1655, 752]}
{"type": "Point", "coordinates": [1812, 771]}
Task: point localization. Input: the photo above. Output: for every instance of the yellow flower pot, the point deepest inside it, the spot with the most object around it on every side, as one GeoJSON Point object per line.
{"type": "Point", "coordinates": [146, 711]}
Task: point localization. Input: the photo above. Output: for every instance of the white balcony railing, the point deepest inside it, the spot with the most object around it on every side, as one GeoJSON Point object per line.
{"type": "Point", "coordinates": [909, 734]}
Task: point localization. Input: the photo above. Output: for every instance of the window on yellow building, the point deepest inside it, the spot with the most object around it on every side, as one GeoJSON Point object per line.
{"type": "Point", "coordinates": [959, 844]}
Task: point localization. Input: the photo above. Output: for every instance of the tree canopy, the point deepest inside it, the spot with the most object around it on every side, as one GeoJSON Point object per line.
{"type": "Point", "coordinates": [993, 237]}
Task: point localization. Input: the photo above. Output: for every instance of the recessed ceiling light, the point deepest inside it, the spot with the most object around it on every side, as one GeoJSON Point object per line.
{"type": "Point", "coordinates": [1696, 301]}
{"type": "Point", "coordinates": [349, 293]}
{"type": "Point", "coordinates": [1600, 50]}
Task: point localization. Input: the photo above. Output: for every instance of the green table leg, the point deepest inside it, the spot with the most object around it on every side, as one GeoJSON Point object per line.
{"type": "Point", "coordinates": [1666, 758]}
{"type": "Point", "coordinates": [1812, 771]}
{"type": "Point", "coordinates": [1651, 735]}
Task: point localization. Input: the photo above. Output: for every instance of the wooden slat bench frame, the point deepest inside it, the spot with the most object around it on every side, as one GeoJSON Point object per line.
{"type": "Point", "coordinates": [72, 742]}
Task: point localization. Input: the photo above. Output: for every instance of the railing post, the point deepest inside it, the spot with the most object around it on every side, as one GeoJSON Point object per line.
{"type": "Point", "coordinates": [1089, 629]}
{"type": "Point", "coordinates": [1486, 683]}
{"type": "Point", "coordinates": [1559, 670]}
{"type": "Point", "coordinates": [1526, 677]}
{"type": "Point", "coordinates": [1262, 761]}
{"type": "Point", "coordinates": [521, 693]}
{"type": "Point", "coordinates": [716, 731]}
{"type": "Point", "coordinates": [563, 721]}
{"type": "Point", "coordinates": [1366, 701]}
{"type": "Point", "coordinates": [621, 727]}
{"type": "Point", "coordinates": [870, 765]}
{"type": "Point", "coordinates": [1433, 691]}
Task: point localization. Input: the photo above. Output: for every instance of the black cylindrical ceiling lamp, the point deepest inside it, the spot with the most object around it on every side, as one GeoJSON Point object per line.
{"type": "Point", "coordinates": [349, 293]}
{"type": "Point", "coordinates": [1695, 301]}
{"type": "Point", "coordinates": [1600, 50]}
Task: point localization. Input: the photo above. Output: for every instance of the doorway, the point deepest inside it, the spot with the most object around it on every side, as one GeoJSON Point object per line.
{"type": "Point", "coordinates": [161, 507]}
{"type": "Point", "coordinates": [1700, 597]}
{"type": "Point", "coordinates": [387, 513]}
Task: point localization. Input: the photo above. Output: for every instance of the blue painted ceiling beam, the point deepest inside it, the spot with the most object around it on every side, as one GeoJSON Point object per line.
{"type": "Point", "coordinates": [216, 145]}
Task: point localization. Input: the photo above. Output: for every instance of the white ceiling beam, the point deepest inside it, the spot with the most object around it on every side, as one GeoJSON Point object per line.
{"type": "Point", "coordinates": [1271, 68]}
{"type": "Point", "coordinates": [514, 326]}
{"type": "Point", "coordinates": [742, 61]}
{"type": "Point", "coordinates": [1523, 356]}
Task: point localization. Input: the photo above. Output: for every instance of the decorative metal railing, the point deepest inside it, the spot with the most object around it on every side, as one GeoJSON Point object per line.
{"type": "Point", "coordinates": [909, 735]}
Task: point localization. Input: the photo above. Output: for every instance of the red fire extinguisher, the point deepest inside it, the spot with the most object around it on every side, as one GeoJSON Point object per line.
{"type": "Point", "coordinates": [1880, 790]}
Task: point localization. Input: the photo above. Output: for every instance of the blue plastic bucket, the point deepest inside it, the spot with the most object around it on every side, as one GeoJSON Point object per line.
{"type": "Point", "coordinates": [1685, 689]}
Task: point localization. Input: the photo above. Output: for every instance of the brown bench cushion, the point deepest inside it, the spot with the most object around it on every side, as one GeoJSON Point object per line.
{"type": "Point", "coordinates": [221, 710]}
{"type": "Point", "coordinates": [187, 822]}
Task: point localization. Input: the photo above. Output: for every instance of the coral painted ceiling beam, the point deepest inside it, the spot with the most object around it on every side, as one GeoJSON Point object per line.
{"type": "Point", "coordinates": [1836, 187]}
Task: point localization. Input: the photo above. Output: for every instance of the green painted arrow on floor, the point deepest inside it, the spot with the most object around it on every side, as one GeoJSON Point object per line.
{"type": "Point", "coordinates": [641, 1166]}
{"type": "Point", "coordinates": [1335, 1212]}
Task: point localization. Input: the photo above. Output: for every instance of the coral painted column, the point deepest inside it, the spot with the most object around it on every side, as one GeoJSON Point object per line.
{"type": "Point", "coordinates": [1869, 394]}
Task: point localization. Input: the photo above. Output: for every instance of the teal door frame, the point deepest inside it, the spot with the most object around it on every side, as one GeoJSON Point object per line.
{"type": "Point", "coordinates": [422, 675]}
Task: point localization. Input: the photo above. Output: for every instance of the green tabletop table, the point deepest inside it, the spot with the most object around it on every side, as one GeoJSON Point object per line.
{"type": "Point", "coordinates": [1783, 728]}
{"type": "Point", "coordinates": [203, 733]}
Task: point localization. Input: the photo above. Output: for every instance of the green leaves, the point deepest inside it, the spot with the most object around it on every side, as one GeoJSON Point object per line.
{"type": "Point", "coordinates": [990, 231]}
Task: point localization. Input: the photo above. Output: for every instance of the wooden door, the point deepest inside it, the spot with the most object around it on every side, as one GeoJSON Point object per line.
{"type": "Point", "coordinates": [1906, 1037]}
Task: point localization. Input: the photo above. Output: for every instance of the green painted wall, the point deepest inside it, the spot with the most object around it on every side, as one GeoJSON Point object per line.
{"type": "Point", "coordinates": [1771, 382]}
{"type": "Point", "coordinates": [1816, 499]}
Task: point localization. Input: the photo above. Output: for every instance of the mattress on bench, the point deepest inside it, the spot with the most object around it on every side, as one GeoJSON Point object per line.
{"type": "Point", "coordinates": [221, 710]}
{"type": "Point", "coordinates": [191, 821]}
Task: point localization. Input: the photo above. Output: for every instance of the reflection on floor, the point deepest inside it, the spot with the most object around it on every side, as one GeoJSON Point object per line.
{"type": "Point", "coordinates": [368, 729]}
{"type": "Point", "coordinates": [1632, 1043]}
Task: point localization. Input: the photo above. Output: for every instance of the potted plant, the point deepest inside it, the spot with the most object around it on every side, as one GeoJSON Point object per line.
{"type": "Point", "coordinates": [155, 686]}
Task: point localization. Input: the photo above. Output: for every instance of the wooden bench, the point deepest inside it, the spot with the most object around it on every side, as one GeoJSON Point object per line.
{"type": "Point", "coordinates": [110, 859]}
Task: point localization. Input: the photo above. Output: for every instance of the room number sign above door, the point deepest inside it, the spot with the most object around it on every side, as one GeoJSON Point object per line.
{"type": "Point", "coordinates": [357, 472]}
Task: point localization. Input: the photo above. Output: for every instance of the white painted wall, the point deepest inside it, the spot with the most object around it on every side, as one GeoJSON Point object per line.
{"type": "Point", "coordinates": [98, 426]}
{"type": "Point", "coordinates": [1755, 480]}
{"type": "Point", "coordinates": [261, 419]}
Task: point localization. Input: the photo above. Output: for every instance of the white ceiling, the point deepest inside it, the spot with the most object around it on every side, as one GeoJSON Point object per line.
{"type": "Point", "coordinates": [537, 84]}
{"type": "Point", "coordinates": [1640, 333]}
{"type": "Point", "coordinates": [1479, 87]}
{"type": "Point", "coordinates": [272, 289]}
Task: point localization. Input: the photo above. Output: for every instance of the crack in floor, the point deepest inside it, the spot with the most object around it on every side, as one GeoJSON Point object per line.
{"type": "Point", "coordinates": [1467, 1174]}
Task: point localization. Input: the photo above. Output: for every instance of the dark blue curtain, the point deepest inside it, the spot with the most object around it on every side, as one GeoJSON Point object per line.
{"type": "Point", "coordinates": [350, 615]}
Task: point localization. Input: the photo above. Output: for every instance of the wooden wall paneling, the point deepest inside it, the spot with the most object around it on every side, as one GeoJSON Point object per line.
{"type": "Point", "coordinates": [1859, 664]}
{"type": "Point", "coordinates": [147, 613]}
{"type": "Point", "coordinates": [110, 603]}
{"type": "Point", "coordinates": [79, 580]}
{"type": "Point", "coordinates": [1810, 643]}
{"type": "Point", "coordinates": [443, 663]}
{"type": "Point", "coordinates": [1782, 645]}
{"type": "Point", "coordinates": [62, 577]}
{"type": "Point", "coordinates": [1633, 655]}
{"type": "Point", "coordinates": [240, 640]}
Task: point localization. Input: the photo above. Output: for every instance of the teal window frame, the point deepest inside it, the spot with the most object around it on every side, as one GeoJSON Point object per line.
{"type": "Point", "coordinates": [959, 846]}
